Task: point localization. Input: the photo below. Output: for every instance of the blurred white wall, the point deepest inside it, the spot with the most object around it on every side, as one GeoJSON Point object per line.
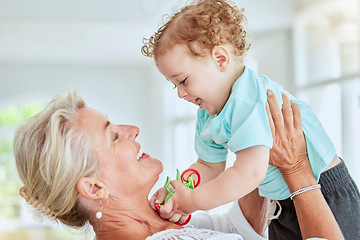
{"type": "Point", "coordinates": [47, 47]}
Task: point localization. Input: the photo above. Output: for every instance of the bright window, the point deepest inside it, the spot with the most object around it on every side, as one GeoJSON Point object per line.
{"type": "Point", "coordinates": [327, 71]}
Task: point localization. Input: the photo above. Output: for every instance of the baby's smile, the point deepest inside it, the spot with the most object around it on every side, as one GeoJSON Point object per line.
{"type": "Point", "coordinates": [197, 101]}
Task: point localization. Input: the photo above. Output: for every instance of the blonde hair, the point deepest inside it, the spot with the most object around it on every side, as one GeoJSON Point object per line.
{"type": "Point", "coordinates": [201, 25]}
{"type": "Point", "coordinates": [51, 156]}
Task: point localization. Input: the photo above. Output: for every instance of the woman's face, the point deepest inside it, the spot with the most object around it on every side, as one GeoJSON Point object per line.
{"type": "Point", "coordinates": [123, 167]}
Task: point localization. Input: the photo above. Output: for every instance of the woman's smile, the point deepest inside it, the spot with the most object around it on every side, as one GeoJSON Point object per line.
{"type": "Point", "coordinates": [141, 155]}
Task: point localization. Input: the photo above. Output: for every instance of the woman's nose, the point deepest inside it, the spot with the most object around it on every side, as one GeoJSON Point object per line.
{"type": "Point", "coordinates": [130, 132]}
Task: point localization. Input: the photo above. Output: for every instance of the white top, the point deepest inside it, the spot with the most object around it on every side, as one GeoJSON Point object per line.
{"type": "Point", "coordinates": [231, 225]}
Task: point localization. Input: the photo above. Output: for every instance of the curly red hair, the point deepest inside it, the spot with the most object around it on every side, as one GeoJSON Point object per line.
{"type": "Point", "coordinates": [201, 25]}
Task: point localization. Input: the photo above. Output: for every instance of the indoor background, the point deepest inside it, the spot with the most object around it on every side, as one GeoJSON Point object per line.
{"type": "Point", "coordinates": [312, 47]}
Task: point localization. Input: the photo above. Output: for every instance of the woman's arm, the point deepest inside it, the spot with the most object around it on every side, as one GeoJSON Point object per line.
{"type": "Point", "coordinates": [254, 209]}
{"type": "Point", "coordinates": [289, 154]}
{"type": "Point", "coordinates": [232, 221]}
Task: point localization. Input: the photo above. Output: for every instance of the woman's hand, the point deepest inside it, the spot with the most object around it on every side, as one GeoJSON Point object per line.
{"type": "Point", "coordinates": [158, 197]}
{"type": "Point", "coordinates": [290, 156]}
{"type": "Point", "coordinates": [289, 149]}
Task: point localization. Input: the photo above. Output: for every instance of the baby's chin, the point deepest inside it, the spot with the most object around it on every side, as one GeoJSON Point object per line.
{"type": "Point", "coordinates": [211, 111]}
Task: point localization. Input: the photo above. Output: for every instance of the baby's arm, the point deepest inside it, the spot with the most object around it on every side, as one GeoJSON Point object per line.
{"type": "Point", "coordinates": [248, 172]}
{"type": "Point", "coordinates": [245, 175]}
{"type": "Point", "coordinates": [208, 171]}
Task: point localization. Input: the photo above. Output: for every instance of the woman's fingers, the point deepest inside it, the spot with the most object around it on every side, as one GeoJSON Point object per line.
{"type": "Point", "coordinates": [276, 113]}
{"type": "Point", "coordinates": [297, 116]}
{"type": "Point", "coordinates": [158, 197]}
{"type": "Point", "coordinates": [271, 122]}
{"type": "Point", "coordinates": [289, 146]}
{"type": "Point", "coordinates": [287, 114]}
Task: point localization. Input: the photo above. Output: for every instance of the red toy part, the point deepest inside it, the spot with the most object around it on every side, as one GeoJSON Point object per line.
{"type": "Point", "coordinates": [157, 206]}
{"type": "Point", "coordinates": [193, 171]}
{"type": "Point", "coordinates": [186, 221]}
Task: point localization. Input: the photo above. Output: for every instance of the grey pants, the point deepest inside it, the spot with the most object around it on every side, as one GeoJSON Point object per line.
{"type": "Point", "coordinates": [343, 197]}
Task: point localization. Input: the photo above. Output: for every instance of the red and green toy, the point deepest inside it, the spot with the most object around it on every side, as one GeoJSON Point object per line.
{"type": "Point", "coordinates": [188, 182]}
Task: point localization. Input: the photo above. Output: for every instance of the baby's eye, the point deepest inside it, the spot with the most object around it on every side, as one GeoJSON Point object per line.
{"type": "Point", "coordinates": [183, 81]}
{"type": "Point", "coordinates": [116, 137]}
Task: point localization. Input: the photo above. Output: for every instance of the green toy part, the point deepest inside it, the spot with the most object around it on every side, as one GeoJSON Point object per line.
{"type": "Point", "coordinates": [190, 184]}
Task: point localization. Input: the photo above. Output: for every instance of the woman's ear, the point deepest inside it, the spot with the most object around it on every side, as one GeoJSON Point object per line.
{"type": "Point", "coordinates": [221, 56]}
{"type": "Point", "coordinates": [91, 188]}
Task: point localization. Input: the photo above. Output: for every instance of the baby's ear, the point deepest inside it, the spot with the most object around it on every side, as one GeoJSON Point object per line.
{"type": "Point", "coordinates": [91, 188]}
{"type": "Point", "coordinates": [221, 56]}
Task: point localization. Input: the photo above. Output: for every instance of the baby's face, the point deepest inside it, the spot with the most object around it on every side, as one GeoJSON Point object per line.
{"type": "Point", "coordinates": [197, 79]}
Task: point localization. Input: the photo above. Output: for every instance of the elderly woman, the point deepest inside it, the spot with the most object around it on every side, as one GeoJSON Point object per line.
{"type": "Point", "coordinates": [79, 168]}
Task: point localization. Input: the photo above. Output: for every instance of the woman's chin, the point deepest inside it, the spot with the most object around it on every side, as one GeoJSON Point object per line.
{"type": "Point", "coordinates": [154, 165]}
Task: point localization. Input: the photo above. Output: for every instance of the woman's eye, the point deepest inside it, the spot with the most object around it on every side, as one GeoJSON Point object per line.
{"type": "Point", "coordinates": [174, 86]}
{"type": "Point", "coordinates": [116, 137]}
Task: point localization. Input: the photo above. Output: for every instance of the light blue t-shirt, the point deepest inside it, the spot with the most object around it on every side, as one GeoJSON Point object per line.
{"type": "Point", "coordinates": [243, 123]}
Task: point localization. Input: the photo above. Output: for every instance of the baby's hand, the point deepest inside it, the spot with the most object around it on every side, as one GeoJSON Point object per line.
{"type": "Point", "coordinates": [168, 212]}
{"type": "Point", "coordinates": [179, 206]}
{"type": "Point", "coordinates": [158, 198]}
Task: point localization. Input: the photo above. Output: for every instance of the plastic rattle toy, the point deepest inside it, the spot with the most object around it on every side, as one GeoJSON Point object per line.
{"type": "Point", "coordinates": [188, 182]}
